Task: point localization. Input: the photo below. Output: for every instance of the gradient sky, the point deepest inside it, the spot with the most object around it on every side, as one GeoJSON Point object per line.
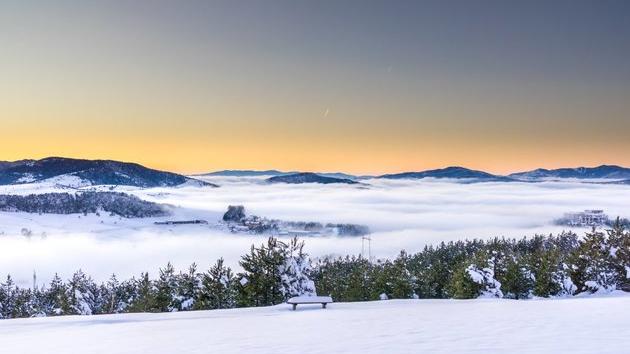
{"type": "Point", "coordinates": [358, 86]}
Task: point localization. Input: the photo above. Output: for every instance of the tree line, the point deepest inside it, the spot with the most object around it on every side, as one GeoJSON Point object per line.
{"type": "Point", "coordinates": [115, 203]}
{"type": "Point", "coordinates": [541, 266]}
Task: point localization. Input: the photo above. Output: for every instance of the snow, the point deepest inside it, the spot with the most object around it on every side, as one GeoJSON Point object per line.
{"type": "Point", "coordinates": [305, 299]}
{"type": "Point", "coordinates": [578, 325]}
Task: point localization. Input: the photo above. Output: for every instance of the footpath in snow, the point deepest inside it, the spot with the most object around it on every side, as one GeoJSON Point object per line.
{"type": "Point", "coordinates": [575, 325]}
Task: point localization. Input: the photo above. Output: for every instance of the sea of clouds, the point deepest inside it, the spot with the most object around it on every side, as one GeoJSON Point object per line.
{"type": "Point", "coordinates": [402, 214]}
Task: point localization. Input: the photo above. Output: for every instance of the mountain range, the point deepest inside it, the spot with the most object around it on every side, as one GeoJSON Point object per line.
{"type": "Point", "coordinates": [66, 171]}
{"type": "Point", "coordinates": [89, 172]}
{"type": "Point", "coordinates": [606, 173]}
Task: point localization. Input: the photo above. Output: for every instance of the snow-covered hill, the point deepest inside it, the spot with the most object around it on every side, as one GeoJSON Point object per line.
{"type": "Point", "coordinates": [309, 177]}
{"type": "Point", "coordinates": [603, 172]}
{"type": "Point", "coordinates": [75, 173]}
{"type": "Point", "coordinates": [454, 173]}
{"type": "Point", "coordinates": [577, 325]}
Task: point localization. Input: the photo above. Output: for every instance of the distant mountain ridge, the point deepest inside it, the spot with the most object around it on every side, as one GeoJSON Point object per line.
{"type": "Point", "coordinates": [453, 172]}
{"type": "Point", "coordinates": [91, 172]}
{"type": "Point", "coordinates": [64, 171]}
{"type": "Point", "coordinates": [599, 172]}
{"type": "Point", "coordinates": [308, 177]}
{"type": "Point", "coordinates": [246, 173]}
{"type": "Point", "coordinates": [273, 173]}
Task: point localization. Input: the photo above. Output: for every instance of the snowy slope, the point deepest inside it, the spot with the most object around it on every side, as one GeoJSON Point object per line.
{"type": "Point", "coordinates": [578, 325]}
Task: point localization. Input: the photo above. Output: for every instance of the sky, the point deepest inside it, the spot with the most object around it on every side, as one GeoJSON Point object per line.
{"type": "Point", "coordinates": [356, 86]}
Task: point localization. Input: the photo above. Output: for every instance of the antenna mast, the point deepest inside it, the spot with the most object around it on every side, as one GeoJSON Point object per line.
{"type": "Point", "coordinates": [369, 242]}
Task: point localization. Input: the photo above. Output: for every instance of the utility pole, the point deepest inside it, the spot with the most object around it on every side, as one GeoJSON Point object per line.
{"type": "Point", "coordinates": [369, 242]}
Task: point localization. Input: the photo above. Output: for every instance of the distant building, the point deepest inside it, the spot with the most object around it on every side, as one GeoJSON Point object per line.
{"type": "Point", "coordinates": [180, 222]}
{"type": "Point", "coordinates": [586, 218]}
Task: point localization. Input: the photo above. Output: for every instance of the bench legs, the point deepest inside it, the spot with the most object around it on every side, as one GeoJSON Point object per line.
{"type": "Point", "coordinates": [323, 305]}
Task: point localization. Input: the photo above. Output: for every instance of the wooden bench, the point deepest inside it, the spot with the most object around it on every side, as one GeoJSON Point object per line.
{"type": "Point", "coordinates": [304, 300]}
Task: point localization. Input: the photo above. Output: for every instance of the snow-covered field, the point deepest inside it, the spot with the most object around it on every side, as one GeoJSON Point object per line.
{"type": "Point", "coordinates": [577, 325]}
{"type": "Point", "coordinates": [402, 215]}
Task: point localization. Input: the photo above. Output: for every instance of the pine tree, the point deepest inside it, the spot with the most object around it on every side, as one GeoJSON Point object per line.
{"type": "Point", "coordinates": [517, 281]}
{"type": "Point", "coordinates": [8, 298]}
{"type": "Point", "coordinates": [56, 298]}
{"type": "Point", "coordinates": [359, 281]}
{"type": "Point", "coordinates": [187, 292]}
{"type": "Point", "coordinates": [24, 306]}
{"type": "Point", "coordinates": [294, 273]}
{"type": "Point", "coordinates": [82, 295]}
{"type": "Point", "coordinates": [619, 240]}
{"type": "Point", "coordinates": [114, 296]}
{"type": "Point", "coordinates": [166, 287]}
{"type": "Point", "coordinates": [217, 288]}
{"type": "Point", "coordinates": [143, 297]}
{"type": "Point", "coordinates": [482, 271]}
{"type": "Point", "coordinates": [545, 280]}
{"type": "Point", "coordinates": [592, 267]}
{"type": "Point", "coordinates": [402, 283]}
{"type": "Point", "coordinates": [462, 285]}
{"type": "Point", "coordinates": [260, 283]}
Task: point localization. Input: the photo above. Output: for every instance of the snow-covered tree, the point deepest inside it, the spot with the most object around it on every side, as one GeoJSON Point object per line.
{"type": "Point", "coordinates": [82, 295]}
{"type": "Point", "coordinates": [294, 273]}
{"type": "Point", "coordinates": [8, 298]}
{"type": "Point", "coordinates": [114, 296]}
{"type": "Point", "coordinates": [166, 290]}
{"type": "Point", "coordinates": [260, 283]}
{"type": "Point", "coordinates": [484, 276]}
{"type": "Point", "coordinates": [619, 241]}
{"type": "Point", "coordinates": [187, 291]}
{"type": "Point", "coordinates": [592, 264]}
{"type": "Point", "coordinates": [217, 288]}
{"type": "Point", "coordinates": [56, 298]}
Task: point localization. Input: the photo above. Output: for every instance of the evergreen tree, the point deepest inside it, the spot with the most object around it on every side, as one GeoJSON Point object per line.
{"type": "Point", "coordinates": [187, 292]}
{"type": "Point", "coordinates": [82, 295]}
{"type": "Point", "coordinates": [463, 286]}
{"type": "Point", "coordinates": [592, 264]}
{"type": "Point", "coordinates": [56, 300]}
{"type": "Point", "coordinates": [217, 288]}
{"type": "Point", "coordinates": [517, 282]}
{"type": "Point", "coordinates": [8, 298]}
{"type": "Point", "coordinates": [24, 304]}
{"type": "Point", "coordinates": [260, 283]}
{"type": "Point", "coordinates": [143, 296]}
{"type": "Point", "coordinates": [482, 272]}
{"type": "Point", "coordinates": [619, 240]}
{"type": "Point", "coordinates": [114, 296]}
{"type": "Point", "coordinates": [545, 280]}
{"type": "Point", "coordinates": [360, 274]}
{"type": "Point", "coordinates": [166, 299]}
{"type": "Point", "coordinates": [294, 273]}
{"type": "Point", "coordinates": [403, 282]}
